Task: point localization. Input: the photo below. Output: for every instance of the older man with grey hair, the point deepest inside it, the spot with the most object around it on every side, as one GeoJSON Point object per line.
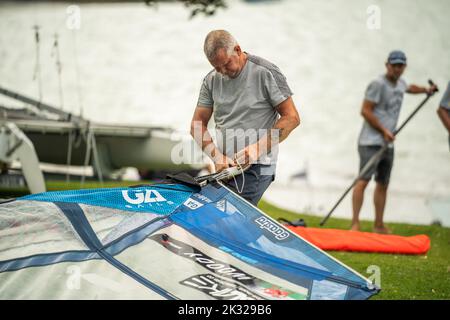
{"type": "Point", "coordinates": [253, 112]}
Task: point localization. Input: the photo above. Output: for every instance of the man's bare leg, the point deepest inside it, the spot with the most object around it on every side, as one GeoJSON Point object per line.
{"type": "Point", "coordinates": [357, 201]}
{"type": "Point", "coordinates": [379, 200]}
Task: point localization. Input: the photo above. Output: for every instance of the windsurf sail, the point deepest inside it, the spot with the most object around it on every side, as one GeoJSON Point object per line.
{"type": "Point", "coordinates": [162, 241]}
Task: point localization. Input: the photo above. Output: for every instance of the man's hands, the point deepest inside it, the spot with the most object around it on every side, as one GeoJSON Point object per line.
{"type": "Point", "coordinates": [222, 162]}
{"type": "Point", "coordinates": [248, 155]}
{"type": "Point", "coordinates": [433, 88]}
{"type": "Point", "coordinates": [369, 116]}
{"type": "Point", "coordinates": [415, 89]}
{"type": "Point", "coordinates": [388, 136]}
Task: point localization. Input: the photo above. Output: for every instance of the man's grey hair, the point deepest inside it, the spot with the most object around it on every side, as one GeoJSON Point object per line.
{"type": "Point", "coordinates": [216, 40]}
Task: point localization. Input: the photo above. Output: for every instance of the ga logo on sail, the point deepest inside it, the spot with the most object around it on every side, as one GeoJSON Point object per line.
{"type": "Point", "coordinates": [142, 196]}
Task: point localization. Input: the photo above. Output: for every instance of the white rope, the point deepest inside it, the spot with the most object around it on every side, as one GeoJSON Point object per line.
{"type": "Point", "coordinates": [37, 66]}
{"type": "Point", "coordinates": [91, 147]}
{"type": "Point", "coordinates": [69, 155]}
{"type": "Point", "coordinates": [96, 163]}
{"type": "Point", "coordinates": [225, 174]}
{"type": "Point", "coordinates": [87, 155]}
{"type": "Point", "coordinates": [243, 179]}
{"type": "Point", "coordinates": [55, 53]}
{"type": "Point", "coordinates": [77, 73]}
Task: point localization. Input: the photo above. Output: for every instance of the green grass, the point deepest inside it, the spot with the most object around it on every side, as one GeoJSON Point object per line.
{"type": "Point", "coordinates": [402, 276]}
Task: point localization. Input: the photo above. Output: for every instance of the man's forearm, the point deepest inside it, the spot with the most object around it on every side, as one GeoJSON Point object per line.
{"type": "Point", "coordinates": [285, 125]}
{"type": "Point", "coordinates": [204, 140]}
{"type": "Point", "coordinates": [280, 131]}
{"type": "Point", "coordinates": [416, 89]}
{"type": "Point", "coordinates": [373, 121]}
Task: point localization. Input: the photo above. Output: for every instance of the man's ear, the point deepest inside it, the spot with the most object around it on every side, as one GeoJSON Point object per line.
{"type": "Point", "coordinates": [238, 50]}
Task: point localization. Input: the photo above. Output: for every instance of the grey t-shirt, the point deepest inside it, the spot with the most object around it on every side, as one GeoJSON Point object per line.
{"type": "Point", "coordinates": [445, 101]}
{"type": "Point", "coordinates": [244, 107]}
{"type": "Point", "coordinates": [388, 100]}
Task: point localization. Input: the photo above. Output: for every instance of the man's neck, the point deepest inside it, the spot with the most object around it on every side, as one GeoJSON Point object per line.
{"type": "Point", "coordinates": [391, 79]}
{"type": "Point", "coordinates": [244, 59]}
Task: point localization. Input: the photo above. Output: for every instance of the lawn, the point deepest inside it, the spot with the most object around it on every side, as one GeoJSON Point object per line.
{"type": "Point", "coordinates": [402, 276]}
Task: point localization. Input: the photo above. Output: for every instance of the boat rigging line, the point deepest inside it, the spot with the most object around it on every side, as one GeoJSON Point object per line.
{"type": "Point", "coordinates": [37, 67]}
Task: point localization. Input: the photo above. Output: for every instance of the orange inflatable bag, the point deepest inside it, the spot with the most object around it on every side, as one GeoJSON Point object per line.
{"type": "Point", "coordinates": [345, 240]}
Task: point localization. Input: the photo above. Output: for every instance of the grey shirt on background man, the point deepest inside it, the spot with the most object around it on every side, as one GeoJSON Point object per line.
{"type": "Point", "coordinates": [445, 101]}
{"type": "Point", "coordinates": [445, 104]}
{"type": "Point", "coordinates": [388, 100]}
{"type": "Point", "coordinates": [245, 102]}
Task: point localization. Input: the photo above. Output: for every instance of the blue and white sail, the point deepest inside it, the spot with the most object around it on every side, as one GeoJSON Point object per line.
{"type": "Point", "coordinates": [162, 241]}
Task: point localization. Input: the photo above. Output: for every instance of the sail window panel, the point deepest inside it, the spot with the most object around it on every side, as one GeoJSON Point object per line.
{"type": "Point", "coordinates": [29, 228]}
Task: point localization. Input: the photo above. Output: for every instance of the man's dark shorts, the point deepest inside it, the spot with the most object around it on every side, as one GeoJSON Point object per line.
{"type": "Point", "coordinates": [382, 170]}
{"type": "Point", "coordinates": [256, 183]}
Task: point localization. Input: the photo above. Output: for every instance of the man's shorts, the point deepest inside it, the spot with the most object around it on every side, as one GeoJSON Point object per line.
{"type": "Point", "coordinates": [256, 183]}
{"type": "Point", "coordinates": [382, 169]}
